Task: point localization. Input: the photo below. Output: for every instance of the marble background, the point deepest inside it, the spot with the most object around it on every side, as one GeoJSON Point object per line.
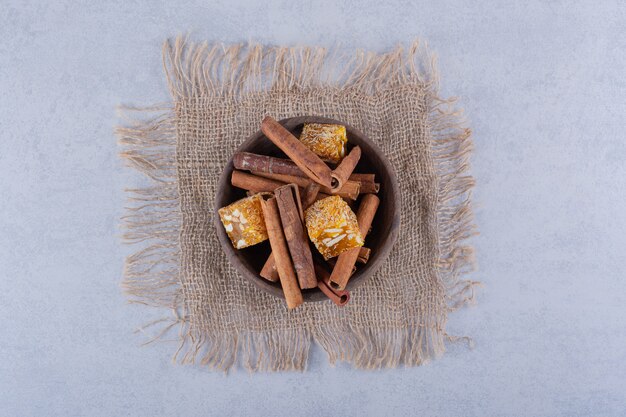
{"type": "Point", "coordinates": [543, 85]}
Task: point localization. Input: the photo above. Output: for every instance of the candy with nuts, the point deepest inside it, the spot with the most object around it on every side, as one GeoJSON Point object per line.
{"type": "Point", "coordinates": [243, 221]}
{"type": "Point", "coordinates": [328, 141]}
{"type": "Point", "coordinates": [332, 227]}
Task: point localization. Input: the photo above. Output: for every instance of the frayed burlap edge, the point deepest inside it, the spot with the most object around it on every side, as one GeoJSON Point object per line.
{"type": "Point", "coordinates": [151, 275]}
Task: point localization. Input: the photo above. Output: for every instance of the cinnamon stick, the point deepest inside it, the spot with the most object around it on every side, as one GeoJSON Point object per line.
{"type": "Point", "coordinates": [304, 158]}
{"type": "Point", "coordinates": [364, 256]}
{"type": "Point", "coordinates": [309, 195]}
{"type": "Point", "coordinates": [367, 181]}
{"type": "Point", "coordinates": [269, 271]}
{"type": "Point", "coordinates": [343, 171]}
{"type": "Point", "coordinates": [345, 262]}
{"type": "Point", "coordinates": [339, 297]}
{"type": "Point", "coordinates": [271, 165]}
{"type": "Point", "coordinates": [350, 189]}
{"type": "Point", "coordinates": [292, 219]}
{"type": "Point", "coordinates": [285, 178]}
{"type": "Point", "coordinates": [362, 177]}
{"type": "Point", "coordinates": [284, 267]}
{"type": "Point", "coordinates": [370, 187]}
{"type": "Point", "coordinates": [268, 164]}
{"type": "Point", "coordinates": [269, 268]}
{"type": "Point", "coordinates": [332, 262]}
{"type": "Point", "coordinates": [253, 183]}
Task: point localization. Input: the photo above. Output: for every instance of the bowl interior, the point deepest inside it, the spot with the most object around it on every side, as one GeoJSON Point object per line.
{"type": "Point", "coordinates": [380, 240]}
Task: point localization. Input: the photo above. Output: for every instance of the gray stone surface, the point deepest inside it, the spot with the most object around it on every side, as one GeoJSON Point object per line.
{"type": "Point", "coordinates": [543, 84]}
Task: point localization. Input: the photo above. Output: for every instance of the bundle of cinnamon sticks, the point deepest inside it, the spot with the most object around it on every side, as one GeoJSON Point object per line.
{"type": "Point", "coordinates": [292, 193]}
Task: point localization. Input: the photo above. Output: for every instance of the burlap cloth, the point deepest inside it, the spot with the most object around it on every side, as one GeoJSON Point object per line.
{"type": "Point", "coordinates": [220, 94]}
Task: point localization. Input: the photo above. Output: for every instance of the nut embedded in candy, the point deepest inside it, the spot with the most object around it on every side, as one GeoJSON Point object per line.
{"type": "Point", "coordinates": [332, 226]}
{"type": "Point", "coordinates": [243, 221]}
{"type": "Point", "coordinates": [328, 141]}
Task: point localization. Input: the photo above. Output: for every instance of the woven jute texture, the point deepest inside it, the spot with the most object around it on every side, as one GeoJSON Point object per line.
{"type": "Point", "coordinates": [220, 94]}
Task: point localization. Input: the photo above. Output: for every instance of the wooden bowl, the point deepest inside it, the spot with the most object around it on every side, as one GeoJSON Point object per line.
{"type": "Point", "coordinates": [249, 261]}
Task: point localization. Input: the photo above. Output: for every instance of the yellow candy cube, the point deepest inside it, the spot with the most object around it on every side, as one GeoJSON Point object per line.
{"type": "Point", "coordinates": [244, 222]}
{"type": "Point", "coordinates": [332, 227]}
{"type": "Point", "coordinates": [325, 140]}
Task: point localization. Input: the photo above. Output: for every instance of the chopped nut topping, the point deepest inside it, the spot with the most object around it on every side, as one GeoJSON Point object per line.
{"type": "Point", "coordinates": [328, 141]}
{"type": "Point", "coordinates": [332, 226]}
{"type": "Point", "coordinates": [243, 221]}
{"type": "Point", "coordinates": [335, 240]}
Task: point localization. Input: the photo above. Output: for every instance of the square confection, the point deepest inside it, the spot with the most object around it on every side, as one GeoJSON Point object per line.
{"type": "Point", "coordinates": [325, 140]}
{"type": "Point", "coordinates": [244, 222]}
{"type": "Point", "coordinates": [332, 226]}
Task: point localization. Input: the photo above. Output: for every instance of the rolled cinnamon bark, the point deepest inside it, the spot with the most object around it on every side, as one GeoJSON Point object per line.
{"type": "Point", "coordinates": [362, 177]}
{"type": "Point", "coordinates": [284, 267]}
{"type": "Point", "coordinates": [256, 184]}
{"type": "Point", "coordinates": [269, 268]}
{"type": "Point", "coordinates": [349, 190]}
{"type": "Point", "coordinates": [345, 262]}
{"type": "Point", "coordinates": [364, 256]}
{"type": "Point", "coordinates": [253, 183]}
{"type": "Point", "coordinates": [269, 271]}
{"type": "Point", "coordinates": [285, 178]}
{"type": "Point", "coordinates": [339, 297]}
{"type": "Point", "coordinates": [333, 261]}
{"type": "Point", "coordinates": [367, 181]}
{"type": "Point", "coordinates": [343, 171]}
{"type": "Point", "coordinates": [303, 157]}
{"type": "Point", "coordinates": [370, 187]}
{"type": "Point", "coordinates": [309, 195]}
{"type": "Point", "coordinates": [292, 219]}
{"type": "Point", "coordinates": [270, 165]}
